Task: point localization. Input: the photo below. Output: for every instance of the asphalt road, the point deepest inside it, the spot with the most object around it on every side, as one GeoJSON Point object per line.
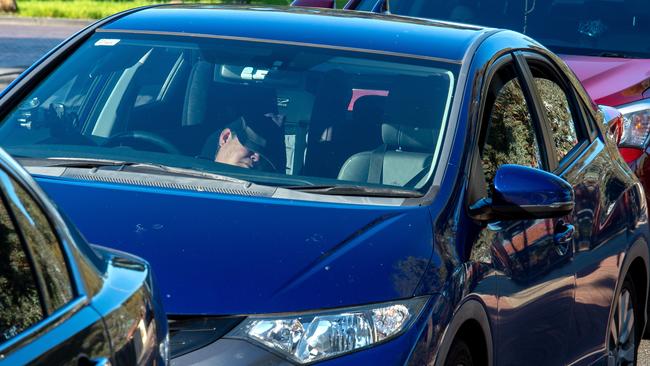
{"type": "Point", "coordinates": [23, 41]}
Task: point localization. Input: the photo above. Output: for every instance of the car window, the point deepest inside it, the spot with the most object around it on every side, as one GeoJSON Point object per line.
{"type": "Point", "coordinates": [366, 5]}
{"type": "Point", "coordinates": [20, 305]}
{"type": "Point", "coordinates": [560, 116]}
{"type": "Point", "coordinates": [286, 115]}
{"type": "Point", "coordinates": [510, 136]}
{"type": "Point", "coordinates": [49, 261]}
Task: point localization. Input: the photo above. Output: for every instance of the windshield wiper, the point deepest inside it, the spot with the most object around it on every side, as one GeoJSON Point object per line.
{"type": "Point", "coordinates": [357, 190]}
{"type": "Point", "coordinates": [121, 165]}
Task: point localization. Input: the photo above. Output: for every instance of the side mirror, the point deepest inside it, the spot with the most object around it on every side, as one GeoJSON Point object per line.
{"type": "Point", "coordinates": [523, 193]}
{"type": "Point", "coordinates": [314, 3]}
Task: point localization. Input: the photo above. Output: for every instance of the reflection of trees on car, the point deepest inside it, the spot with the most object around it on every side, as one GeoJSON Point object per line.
{"type": "Point", "coordinates": [45, 250]}
{"type": "Point", "coordinates": [511, 138]}
{"type": "Point", "coordinates": [559, 115]}
{"type": "Point", "coordinates": [19, 302]}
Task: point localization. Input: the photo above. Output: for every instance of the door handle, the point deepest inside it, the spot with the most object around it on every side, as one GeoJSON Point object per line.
{"type": "Point", "coordinates": [563, 237]}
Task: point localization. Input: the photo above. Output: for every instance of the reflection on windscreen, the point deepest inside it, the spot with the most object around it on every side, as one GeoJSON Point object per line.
{"type": "Point", "coordinates": [592, 27]}
{"type": "Point", "coordinates": [297, 114]}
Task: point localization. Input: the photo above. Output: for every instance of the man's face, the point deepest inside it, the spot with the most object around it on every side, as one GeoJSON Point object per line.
{"type": "Point", "coordinates": [232, 152]}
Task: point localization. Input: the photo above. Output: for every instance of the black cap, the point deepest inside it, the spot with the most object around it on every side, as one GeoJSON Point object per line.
{"type": "Point", "coordinates": [262, 135]}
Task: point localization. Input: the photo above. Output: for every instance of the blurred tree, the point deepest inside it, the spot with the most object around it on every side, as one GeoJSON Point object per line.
{"type": "Point", "coordinates": [9, 6]}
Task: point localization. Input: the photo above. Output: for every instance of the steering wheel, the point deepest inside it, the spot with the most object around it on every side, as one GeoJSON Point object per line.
{"type": "Point", "coordinates": [133, 138]}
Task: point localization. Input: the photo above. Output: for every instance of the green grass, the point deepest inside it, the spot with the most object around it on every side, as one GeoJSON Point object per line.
{"type": "Point", "coordinates": [96, 9]}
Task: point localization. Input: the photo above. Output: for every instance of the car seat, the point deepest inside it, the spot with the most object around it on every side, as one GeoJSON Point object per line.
{"type": "Point", "coordinates": [413, 115]}
{"type": "Point", "coordinates": [327, 118]}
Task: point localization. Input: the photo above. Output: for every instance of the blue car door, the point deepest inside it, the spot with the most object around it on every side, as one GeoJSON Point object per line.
{"type": "Point", "coordinates": [44, 319]}
{"type": "Point", "coordinates": [600, 215]}
{"type": "Point", "coordinates": [532, 258]}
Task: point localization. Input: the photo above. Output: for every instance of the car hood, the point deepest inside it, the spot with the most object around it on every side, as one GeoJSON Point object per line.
{"type": "Point", "coordinates": [611, 81]}
{"type": "Point", "coordinates": [225, 254]}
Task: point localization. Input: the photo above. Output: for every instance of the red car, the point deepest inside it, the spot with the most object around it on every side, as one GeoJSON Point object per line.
{"type": "Point", "coordinates": [605, 42]}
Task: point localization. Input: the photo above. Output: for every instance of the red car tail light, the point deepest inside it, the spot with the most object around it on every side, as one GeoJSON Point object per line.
{"type": "Point", "coordinates": [630, 154]}
{"type": "Point", "coordinates": [636, 124]}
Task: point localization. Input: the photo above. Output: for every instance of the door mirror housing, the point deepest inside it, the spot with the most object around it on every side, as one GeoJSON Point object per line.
{"type": "Point", "coordinates": [523, 193]}
{"type": "Point", "coordinates": [329, 4]}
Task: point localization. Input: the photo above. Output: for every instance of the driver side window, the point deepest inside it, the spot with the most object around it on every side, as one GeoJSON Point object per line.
{"type": "Point", "coordinates": [510, 136]}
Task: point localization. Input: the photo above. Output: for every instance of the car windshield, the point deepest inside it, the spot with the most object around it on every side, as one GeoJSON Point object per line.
{"type": "Point", "coordinates": [617, 28]}
{"type": "Point", "coordinates": [266, 112]}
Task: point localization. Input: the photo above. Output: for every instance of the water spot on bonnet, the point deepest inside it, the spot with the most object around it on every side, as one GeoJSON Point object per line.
{"type": "Point", "coordinates": [315, 238]}
{"type": "Point", "coordinates": [139, 228]}
{"type": "Point", "coordinates": [157, 226]}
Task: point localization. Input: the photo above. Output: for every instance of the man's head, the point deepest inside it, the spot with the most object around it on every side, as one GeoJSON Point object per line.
{"type": "Point", "coordinates": [231, 151]}
{"type": "Point", "coordinates": [250, 142]}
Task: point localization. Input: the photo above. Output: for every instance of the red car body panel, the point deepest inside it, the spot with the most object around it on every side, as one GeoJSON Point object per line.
{"type": "Point", "coordinates": [612, 81]}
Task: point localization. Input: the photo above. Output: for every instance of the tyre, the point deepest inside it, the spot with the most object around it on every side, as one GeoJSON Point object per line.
{"type": "Point", "coordinates": [459, 354]}
{"type": "Point", "coordinates": [624, 335]}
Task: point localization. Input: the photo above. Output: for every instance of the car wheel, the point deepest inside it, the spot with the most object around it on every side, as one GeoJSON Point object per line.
{"type": "Point", "coordinates": [459, 354]}
{"type": "Point", "coordinates": [623, 328]}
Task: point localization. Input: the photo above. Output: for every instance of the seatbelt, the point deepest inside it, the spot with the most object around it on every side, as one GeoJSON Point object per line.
{"type": "Point", "coordinates": [376, 164]}
{"type": "Point", "coordinates": [415, 180]}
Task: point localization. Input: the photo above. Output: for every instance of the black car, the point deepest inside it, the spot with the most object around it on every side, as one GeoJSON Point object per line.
{"type": "Point", "coordinates": [62, 302]}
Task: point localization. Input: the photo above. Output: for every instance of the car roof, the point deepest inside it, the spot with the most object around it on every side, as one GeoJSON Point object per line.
{"type": "Point", "coordinates": [333, 28]}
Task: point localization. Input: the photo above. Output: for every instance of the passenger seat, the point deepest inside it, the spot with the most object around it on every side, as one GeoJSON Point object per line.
{"type": "Point", "coordinates": [414, 112]}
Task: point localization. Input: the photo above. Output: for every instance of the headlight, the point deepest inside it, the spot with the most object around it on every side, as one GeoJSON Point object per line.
{"type": "Point", "coordinates": [636, 123]}
{"type": "Point", "coordinates": [314, 336]}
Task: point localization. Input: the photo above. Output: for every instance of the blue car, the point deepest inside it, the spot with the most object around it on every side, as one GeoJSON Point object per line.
{"type": "Point", "coordinates": [315, 186]}
{"type": "Point", "coordinates": [63, 303]}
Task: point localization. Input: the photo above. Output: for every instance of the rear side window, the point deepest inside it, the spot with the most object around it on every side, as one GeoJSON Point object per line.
{"type": "Point", "coordinates": [20, 305]}
{"type": "Point", "coordinates": [50, 265]}
{"type": "Point", "coordinates": [560, 116]}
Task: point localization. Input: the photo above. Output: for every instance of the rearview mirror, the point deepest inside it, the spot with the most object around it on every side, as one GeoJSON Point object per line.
{"type": "Point", "coordinates": [523, 193]}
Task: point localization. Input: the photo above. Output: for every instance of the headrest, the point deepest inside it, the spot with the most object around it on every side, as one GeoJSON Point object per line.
{"type": "Point", "coordinates": [414, 109]}
{"type": "Point", "coordinates": [408, 138]}
{"type": "Point", "coordinates": [332, 97]}
{"type": "Point", "coordinates": [368, 109]}
{"type": "Point", "coordinates": [415, 101]}
{"type": "Point", "coordinates": [233, 100]}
